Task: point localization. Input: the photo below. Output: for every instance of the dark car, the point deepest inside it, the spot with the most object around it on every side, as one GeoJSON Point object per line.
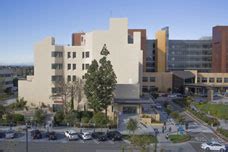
{"type": "Point", "coordinates": [100, 136]}
{"type": "Point", "coordinates": [114, 135]}
{"type": "Point", "coordinates": [36, 134]}
{"type": "Point", "coordinates": [51, 135]}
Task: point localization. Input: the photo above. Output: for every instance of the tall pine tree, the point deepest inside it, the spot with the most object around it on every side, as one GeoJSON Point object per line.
{"type": "Point", "coordinates": [107, 79]}
{"type": "Point", "coordinates": [91, 87]}
{"type": "Point", "coordinates": [100, 83]}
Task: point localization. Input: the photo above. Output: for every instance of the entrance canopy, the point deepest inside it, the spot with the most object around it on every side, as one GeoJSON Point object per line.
{"type": "Point", "coordinates": [134, 101]}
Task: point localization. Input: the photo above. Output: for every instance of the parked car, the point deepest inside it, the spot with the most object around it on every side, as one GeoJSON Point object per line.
{"type": "Point", "coordinates": [114, 135]}
{"type": "Point", "coordinates": [51, 135]}
{"type": "Point", "coordinates": [71, 134]}
{"type": "Point", "coordinates": [213, 146]}
{"type": "Point", "coordinates": [36, 134]}
{"type": "Point", "coordinates": [85, 135]}
{"type": "Point", "coordinates": [100, 136]}
{"type": "Point", "coordinates": [10, 134]}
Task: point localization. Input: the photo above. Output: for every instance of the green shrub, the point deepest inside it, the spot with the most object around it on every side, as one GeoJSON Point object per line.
{"type": "Point", "coordinates": [59, 117]}
{"type": "Point", "coordinates": [223, 131]}
{"type": "Point", "coordinates": [100, 119]}
{"type": "Point", "coordinates": [39, 116]}
{"type": "Point", "coordinates": [85, 120]}
{"type": "Point", "coordinates": [18, 118]}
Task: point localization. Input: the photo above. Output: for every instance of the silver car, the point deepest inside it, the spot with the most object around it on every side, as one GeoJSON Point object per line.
{"type": "Point", "coordinates": [10, 134]}
{"type": "Point", "coordinates": [85, 135]}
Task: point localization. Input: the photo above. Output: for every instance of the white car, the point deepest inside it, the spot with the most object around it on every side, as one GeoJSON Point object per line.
{"type": "Point", "coordinates": [71, 134]}
{"type": "Point", "coordinates": [213, 146]}
{"type": "Point", "coordinates": [86, 135]}
{"type": "Point", "coordinates": [10, 134]}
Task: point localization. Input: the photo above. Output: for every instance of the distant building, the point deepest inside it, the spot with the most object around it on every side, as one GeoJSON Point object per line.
{"type": "Point", "coordinates": [6, 78]}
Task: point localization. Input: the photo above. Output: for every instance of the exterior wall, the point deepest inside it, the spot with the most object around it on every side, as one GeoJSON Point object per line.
{"type": "Point", "coordinates": [220, 47]}
{"type": "Point", "coordinates": [143, 43]}
{"type": "Point", "coordinates": [190, 55]}
{"type": "Point", "coordinates": [123, 55]}
{"type": "Point", "coordinates": [206, 76]}
{"type": "Point", "coordinates": [162, 81]}
{"type": "Point", "coordinates": [161, 50]}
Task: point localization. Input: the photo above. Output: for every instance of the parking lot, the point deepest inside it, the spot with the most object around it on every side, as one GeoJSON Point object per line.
{"type": "Point", "coordinates": [21, 137]}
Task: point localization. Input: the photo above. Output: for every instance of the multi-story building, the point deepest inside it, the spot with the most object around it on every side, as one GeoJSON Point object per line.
{"type": "Point", "coordinates": [189, 55]}
{"type": "Point", "coordinates": [6, 78]}
{"type": "Point", "coordinates": [57, 62]}
{"type": "Point", "coordinates": [141, 65]}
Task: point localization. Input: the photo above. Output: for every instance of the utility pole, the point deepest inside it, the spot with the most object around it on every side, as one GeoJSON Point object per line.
{"type": "Point", "coordinates": [26, 137]}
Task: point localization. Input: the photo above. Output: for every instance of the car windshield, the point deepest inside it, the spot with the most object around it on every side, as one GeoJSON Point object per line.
{"type": "Point", "coordinates": [74, 133]}
{"type": "Point", "coordinates": [209, 143]}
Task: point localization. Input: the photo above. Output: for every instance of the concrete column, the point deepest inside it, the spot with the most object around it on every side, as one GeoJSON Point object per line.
{"type": "Point", "coordinates": [210, 94]}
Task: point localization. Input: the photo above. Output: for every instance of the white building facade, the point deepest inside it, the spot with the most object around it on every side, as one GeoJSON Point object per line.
{"type": "Point", "coordinates": [55, 62]}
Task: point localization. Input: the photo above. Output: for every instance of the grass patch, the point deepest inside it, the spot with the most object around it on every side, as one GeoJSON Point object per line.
{"type": "Point", "coordinates": [179, 138]}
{"type": "Point", "coordinates": [151, 138]}
{"type": "Point", "coordinates": [222, 131]}
{"type": "Point", "coordinates": [217, 110]}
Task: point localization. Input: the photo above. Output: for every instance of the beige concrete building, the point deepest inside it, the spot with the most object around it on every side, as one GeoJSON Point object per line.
{"type": "Point", "coordinates": [54, 62]}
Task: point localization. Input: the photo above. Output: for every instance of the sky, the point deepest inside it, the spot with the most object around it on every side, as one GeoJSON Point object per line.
{"type": "Point", "coordinates": [23, 23]}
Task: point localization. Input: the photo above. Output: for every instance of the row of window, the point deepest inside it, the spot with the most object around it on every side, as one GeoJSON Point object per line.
{"type": "Point", "coordinates": [149, 88]}
{"type": "Point", "coordinates": [69, 66]}
{"type": "Point", "coordinates": [69, 54]}
{"type": "Point", "coordinates": [5, 75]}
{"type": "Point", "coordinates": [57, 78]}
{"type": "Point", "coordinates": [71, 78]}
{"type": "Point", "coordinates": [146, 79]}
{"type": "Point", "coordinates": [84, 54]}
{"type": "Point", "coordinates": [57, 54]}
{"type": "Point", "coordinates": [212, 80]}
{"type": "Point", "coordinates": [56, 90]}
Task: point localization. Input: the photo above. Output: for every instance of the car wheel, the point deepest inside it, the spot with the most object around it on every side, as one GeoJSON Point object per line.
{"type": "Point", "coordinates": [222, 150]}
{"type": "Point", "coordinates": [207, 149]}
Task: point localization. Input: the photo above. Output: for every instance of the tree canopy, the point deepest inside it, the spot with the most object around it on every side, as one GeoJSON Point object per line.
{"type": "Point", "coordinates": [100, 83]}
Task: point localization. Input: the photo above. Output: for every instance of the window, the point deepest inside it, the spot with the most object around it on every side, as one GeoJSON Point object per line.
{"type": "Point", "coordinates": [83, 66]}
{"type": "Point", "coordinates": [219, 80]}
{"type": "Point", "coordinates": [198, 79]}
{"type": "Point", "coordinates": [68, 66]}
{"type": "Point", "coordinates": [83, 77]}
{"type": "Point", "coordinates": [152, 79]}
{"type": "Point", "coordinates": [56, 78]}
{"type": "Point", "coordinates": [74, 78]}
{"type": "Point", "coordinates": [87, 54]}
{"type": "Point", "coordinates": [83, 54]}
{"type": "Point", "coordinates": [145, 79]}
{"type": "Point", "coordinates": [56, 54]}
{"type": "Point", "coordinates": [144, 89]}
{"type": "Point", "coordinates": [87, 66]}
{"type": "Point", "coordinates": [74, 54]}
{"type": "Point", "coordinates": [56, 90]}
{"type": "Point", "coordinates": [204, 80]}
{"type": "Point", "coordinates": [225, 80]}
{"type": "Point", "coordinates": [211, 80]}
{"type": "Point", "coordinates": [56, 66]}
{"type": "Point", "coordinates": [68, 55]}
{"type": "Point", "coordinates": [68, 78]}
{"type": "Point", "coordinates": [74, 66]}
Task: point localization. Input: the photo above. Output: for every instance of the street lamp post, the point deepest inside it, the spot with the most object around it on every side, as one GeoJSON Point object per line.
{"type": "Point", "coordinates": [26, 129]}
